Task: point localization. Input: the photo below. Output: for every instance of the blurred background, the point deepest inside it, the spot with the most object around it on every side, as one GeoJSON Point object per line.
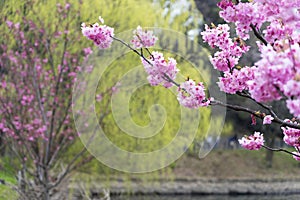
{"type": "Point", "coordinates": [226, 162]}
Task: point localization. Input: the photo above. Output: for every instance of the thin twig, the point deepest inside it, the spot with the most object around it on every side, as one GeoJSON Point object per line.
{"type": "Point", "coordinates": [131, 48]}
{"type": "Point", "coordinates": [255, 113]}
{"type": "Point", "coordinates": [272, 112]}
{"type": "Point", "coordinates": [167, 78]}
{"type": "Point", "coordinates": [280, 149]}
{"type": "Point", "coordinates": [258, 35]}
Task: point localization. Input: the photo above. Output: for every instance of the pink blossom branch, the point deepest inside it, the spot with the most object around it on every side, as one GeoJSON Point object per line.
{"type": "Point", "coordinates": [166, 77]}
{"type": "Point", "coordinates": [34, 155]}
{"type": "Point", "coordinates": [47, 43]}
{"type": "Point", "coordinates": [56, 93]}
{"type": "Point", "coordinates": [234, 107]}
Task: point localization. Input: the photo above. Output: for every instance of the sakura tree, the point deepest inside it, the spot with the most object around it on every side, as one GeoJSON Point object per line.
{"type": "Point", "coordinates": [36, 121]}
{"type": "Point", "coordinates": [274, 77]}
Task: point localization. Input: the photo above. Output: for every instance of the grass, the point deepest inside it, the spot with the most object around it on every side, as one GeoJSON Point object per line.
{"type": "Point", "coordinates": [6, 192]}
{"type": "Point", "coordinates": [8, 175]}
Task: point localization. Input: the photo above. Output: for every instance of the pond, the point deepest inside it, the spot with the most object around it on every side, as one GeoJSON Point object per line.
{"type": "Point", "coordinates": [212, 197]}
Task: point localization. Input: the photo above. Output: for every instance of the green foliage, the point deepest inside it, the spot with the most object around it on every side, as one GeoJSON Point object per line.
{"type": "Point", "coordinates": [6, 191]}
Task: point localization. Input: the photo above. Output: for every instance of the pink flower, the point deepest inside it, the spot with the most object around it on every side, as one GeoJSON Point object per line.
{"type": "Point", "coordinates": [268, 119]}
{"type": "Point", "coordinates": [192, 95]}
{"type": "Point", "coordinates": [231, 51]}
{"type": "Point", "coordinates": [292, 140]}
{"type": "Point", "coordinates": [294, 107]}
{"type": "Point", "coordinates": [225, 3]}
{"type": "Point", "coordinates": [243, 15]}
{"type": "Point", "coordinates": [3, 84]}
{"type": "Point", "coordinates": [115, 88]}
{"type": "Point", "coordinates": [273, 71]}
{"type": "Point", "coordinates": [101, 35]}
{"type": "Point", "coordinates": [296, 157]}
{"type": "Point", "coordinates": [67, 6]}
{"type": "Point", "coordinates": [159, 68]}
{"type": "Point", "coordinates": [291, 135]}
{"type": "Point", "coordinates": [252, 142]}
{"type": "Point", "coordinates": [217, 36]}
{"type": "Point", "coordinates": [236, 80]}
{"type": "Point", "coordinates": [9, 24]}
{"type": "Point", "coordinates": [143, 38]}
{"type": "Point", "coordinates": [276, 31]}
{"type": "Point", "coordinates": [292, 88]}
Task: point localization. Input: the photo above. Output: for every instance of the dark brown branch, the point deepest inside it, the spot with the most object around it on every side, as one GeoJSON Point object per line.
{"type": "Point", "coordinates": [258, 35]}
{"type": "Point", "coordinates": [271, 111]}
{"type": "Point", "coordinates": [280, 150]}
{"type": "Point", "coordinates": [255, 113]}
{"type": "Point", "coordinates": [167, 78]}
{"type": "Point", "coordinates": [134, 50]}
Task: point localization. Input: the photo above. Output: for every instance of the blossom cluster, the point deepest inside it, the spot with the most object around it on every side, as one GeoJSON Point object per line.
{"type": "Point", "coordinates": [281, 14]}
{"type": "Point", "coordinates": [243, 14]}
{"type": "Point", "coordinates": [192, 95]}
{"type": "Point", "coordinates": [160, 70]}
{"type": "Point", "coordinates": [268, 119]}
{"type": "Point", "coordinates": [252, 142]}
{"type": "Point", "coordinates": [276, 75]}
{"type": "Point", "coordinates": [143, 38]}
{"type": "Point", "coordinates": [101, 35]}
{"type": "Point", "coordinates": [236, 80]}
{"type": "Point", "coordinates": [291, 135]}
{"type": "Point", "coordinates": [230, 51]}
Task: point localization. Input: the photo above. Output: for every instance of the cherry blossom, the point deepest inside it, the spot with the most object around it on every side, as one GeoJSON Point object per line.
{"type": "Point", "coordinates": [268, 119]}
{"type": "Point", "coordinates": [294, 107]}
{"type": "Point", "coordinates": [243, 15]}
{"type": "Point", "coordinates": [101, 35]}
{"type": "Point", "coordinates": [192, 95]}
{"type": "Point", "coordinates": [273, 71]}
{"type": "Point", "coordinates": [296, 157]}
{"type": "Point", "coordinates": [275, 76]}
{"type": "Point", "coordinates": [236, 80]}
{"type": "Point", "coordinates": [291, 135]}
{"type": "Point", "coordinates": [252, 142]}
{"type": "Point", "coordinates": [159, 69]}
{"type": "Point", "coordinates": [231, 51]}
{"type": "Point", "coordinates": [143, 38]}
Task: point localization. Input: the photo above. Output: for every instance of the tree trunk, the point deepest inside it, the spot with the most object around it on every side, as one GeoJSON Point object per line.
{"type": "Point", "coordinates": [2, 147]}
{"type": "Point", "coordinates": [269, 154]}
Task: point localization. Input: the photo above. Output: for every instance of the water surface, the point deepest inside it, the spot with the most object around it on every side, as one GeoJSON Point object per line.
{"type": "Point", "coordinates": [212, 197]}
